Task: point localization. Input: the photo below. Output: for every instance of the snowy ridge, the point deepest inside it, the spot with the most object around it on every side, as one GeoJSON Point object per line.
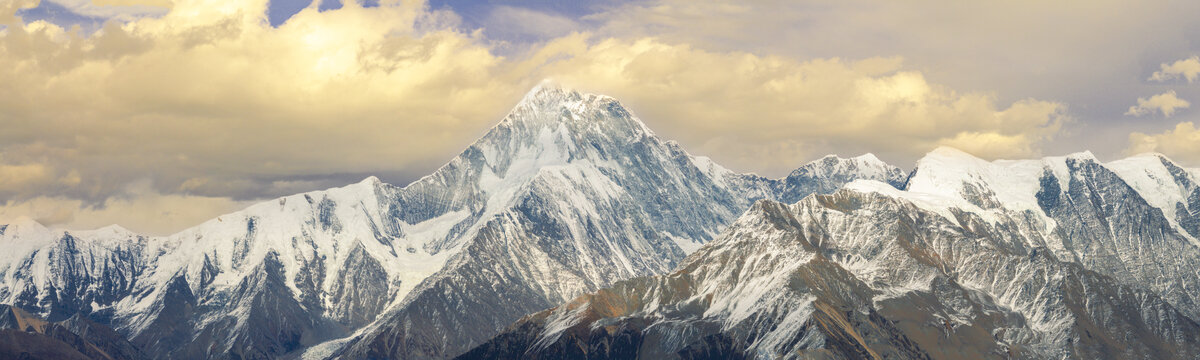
{"type": "Point", "coordinates": [1120, 218]}
{"type": "Point", "coordinates": [1014, 185]}
{"type": "Point", "coordinates": [876, 272]}
{"type": "Point", "coordinates": [36, 259]}
{"type": "Point", "coordinates": [1162, 183]}
{"type": "Point", "coordinates": [866, 165]}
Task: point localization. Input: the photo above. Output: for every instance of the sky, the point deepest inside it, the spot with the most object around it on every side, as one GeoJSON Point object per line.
{"type": "Point", "coordinates": [160, 114]}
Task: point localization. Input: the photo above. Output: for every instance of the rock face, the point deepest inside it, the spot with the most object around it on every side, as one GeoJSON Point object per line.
{"type": "Point", "coordinates": [1055, 258]}
{"type": "Point", "coordinates": [568, 194]}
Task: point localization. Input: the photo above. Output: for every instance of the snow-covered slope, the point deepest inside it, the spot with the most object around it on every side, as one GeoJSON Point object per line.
{"type": "Point", "coordinates": [60, 273]}
{"type": "Point", "coordinates": [1062, 257]}
{"type": "Point", "coordinates": [569, 193]}
{"type": "Point", "coordinates": [860, 274]}
{"type": "Point", "coordinates": [1133, 219]}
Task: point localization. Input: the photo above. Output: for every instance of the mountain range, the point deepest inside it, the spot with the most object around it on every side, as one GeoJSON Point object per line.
{"type": "Point", "coordinates": [571, 230]}
{"type": "Point", "coordinates": [1063, 257]}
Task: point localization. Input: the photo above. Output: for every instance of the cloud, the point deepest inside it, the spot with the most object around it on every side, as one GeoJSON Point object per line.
{"type": "Point", "coordinates": [208, 106]}
{"type": "Point", "coordinates": [163, 214]}
{"type": "Point", "coordinates": [1181, 143]}
{"type": "Point", "coordinates": [20, 177]}
{"type": "Point", "coordinates": [209, 90]}
{"type": "Point", "coordinates": [1187, 68]}
{"type": "Point", "coordinates": [736, 107]}
{"type": "Point", "coordinates": [1091, 55]}
{"type": "Point", "coordinates": [1166, 103]}
{"type": "Point", "coordinates": [9, 8]}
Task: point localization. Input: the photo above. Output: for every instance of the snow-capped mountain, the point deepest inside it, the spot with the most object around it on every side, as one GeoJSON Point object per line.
{"type": "Point", "coordinates": [598, 199]}
{"type": "Point", "coordinates": [1132, 219]}
{"type": "Point", "coordinates": [568, 194]}
{"type": "Point", "coordinates": [1063, 257]}
{"type": "Point", "coordinates": [571, 194]}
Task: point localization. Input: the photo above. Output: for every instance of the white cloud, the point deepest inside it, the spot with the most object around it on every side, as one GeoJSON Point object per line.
{"type": "Point", "coordinates": [1166, 104]}
{"type": "Point", "coordinates": [1187, 68]}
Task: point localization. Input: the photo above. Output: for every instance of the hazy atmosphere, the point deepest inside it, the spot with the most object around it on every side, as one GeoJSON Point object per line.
{"type": "Point", "coordinates": [160, 114]}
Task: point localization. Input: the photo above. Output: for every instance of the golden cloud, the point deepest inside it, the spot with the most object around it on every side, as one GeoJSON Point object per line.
{"type": "Point", "coordinates": [9, 8]}
{"type": "Point", "coordinates": [1188, 69]}
{"type": "Point", "coordinates": [210, 89]}
{"type": "Point", "coordinates": [1166, 104]}
{"type": "Point", "coordinates": [208, 103]}
{"type": "Point", "coordinates": [1180, 144]}
{"type": "Point", "coordinates": [737, 106]}
{"type": "Point", "coordinates": [140, 208]}
{"type": "Point", "coordinates": [14, 177]}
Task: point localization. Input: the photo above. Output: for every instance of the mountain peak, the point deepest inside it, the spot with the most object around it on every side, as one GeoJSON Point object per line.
{"type": "Point", "coordinates": [1152, 157]}
{"type": "Point", "coordinates": [548, 87]}
{"type": "Point", "coordinates": [115, 228]}
{"type": "Point", "coordinates": [371, 180]}
{"type": "Point", "coordinates": [553, 120]}
{"type": "Point", "coordinates": [862, 165]}
{"type": "Point", "coordinates": [948, 153]}
{"type": "Point", "coordinates": [551, 103]}
{"type": "Point", "coordinates": [945, 157]}
{"type": "Point", "coordinates": [868, 157]}
{"type": "Point", "coordinates": [549, 93]}
{"type": "Point", "coordinates": [1149, 155]}
{"type": "Point", "coordinates": [113, 231]}
{"type": "Point", "coordinates": [1143, 159]}
{"type": "Point", "coordinates": [363, 189]}
{"type": "Point", "coordinates": [1082, 155]}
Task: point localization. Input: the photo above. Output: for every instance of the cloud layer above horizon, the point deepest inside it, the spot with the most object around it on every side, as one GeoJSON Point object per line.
{"type": "Point", "coordinates": [204, 105]}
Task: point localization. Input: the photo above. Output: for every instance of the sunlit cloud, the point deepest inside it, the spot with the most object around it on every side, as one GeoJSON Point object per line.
{"type": "Point", "coordinates": [737, 106]}
{"type": "Point", "coordinates": [1166, 104]}
{"type": "Point", "coordinates": [1186, 69]}
{"type": "Point", "coordinates": [158, 214]}
{"type": "Point", "coordinates": [8, 10]}
{"type": "Point", "coordinates": [1181, 143]}
{"type": "Point", "coordinates": [210, 103]}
